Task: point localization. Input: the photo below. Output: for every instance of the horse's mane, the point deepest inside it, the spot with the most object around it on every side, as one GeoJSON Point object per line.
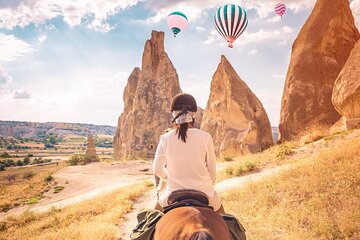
{"type": "Point", "coordinates": [201, 235]}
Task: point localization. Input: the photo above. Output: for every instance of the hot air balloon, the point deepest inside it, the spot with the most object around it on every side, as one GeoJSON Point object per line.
{"type": "Point", "coordinates": [230, 21]}
{"type": "Point", "coordinates": [280, 9]}
{"type": "Point", "coordinates": [177, 22]}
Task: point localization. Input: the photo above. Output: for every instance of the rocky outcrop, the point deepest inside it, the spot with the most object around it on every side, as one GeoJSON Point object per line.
{"type": "Point", "coordinates": [318, 55]}
{"type": "Point", "coordinates": [147, 99]}
{"type": "Point", "coordinates": [346, 92]}
{"type": "Point", "coordinates": [90, 148]}
{"type": "Point", "coordinates": [234, 116]}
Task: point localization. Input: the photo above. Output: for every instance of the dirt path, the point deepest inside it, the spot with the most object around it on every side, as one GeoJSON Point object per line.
{"type": "Point", "coordinates": [149, 199]}
{"type": "Point", "coordinates": [85, 182]}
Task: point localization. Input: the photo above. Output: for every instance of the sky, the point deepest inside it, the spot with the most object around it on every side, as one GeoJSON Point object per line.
{"type": "Point", "coordinates": [69, 60]}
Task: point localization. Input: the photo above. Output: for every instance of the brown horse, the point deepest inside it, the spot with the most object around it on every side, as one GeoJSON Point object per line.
{"type": "Point", "coordinates": [191, 223]}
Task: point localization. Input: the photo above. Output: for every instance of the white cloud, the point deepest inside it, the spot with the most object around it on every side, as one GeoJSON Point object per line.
{"type": "Point", "coordinates": [4, 76]}
{"type": "Point", "coordinates": [74, 12]}
{"type": "Point", "coordinates": [252, 52]}
{"type": "Point", "coordinates": [213, 37]}
{"type": "Point", "coordinates": [12, 48]}
{"type": "Point", "coordinates": [274, 19]}
{"type": "Point", "coordinates": [355, 7]}
{"type": "Point", "coordinates": [263, 35]}
{"type": "Point", "coordinates": [283, 35]}
{"type": "Point", "coordinates": [24, 93]}
{"type": "Point", "coordinates": [283, 42]}
{"type": "Point", "coordinates": [42, 38]}
{"type": "Point", "coordinates": [194, 9]}
{"type": "Point", "coordinates": [278, 76]}
{"type": "Point", "coordinates": [200, 29]}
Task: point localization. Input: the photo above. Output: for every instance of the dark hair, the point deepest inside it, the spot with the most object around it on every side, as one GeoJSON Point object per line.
{"type": "Point", "coordinates": [181, 130]}
{"type": "Point", "coordinates": [203, 235]}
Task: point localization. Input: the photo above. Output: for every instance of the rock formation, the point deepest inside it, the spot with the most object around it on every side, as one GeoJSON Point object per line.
{"type": "Point", "coordinates": [90, 148]}
{"type": "Point", "coordinates": [318, 55]}
{"type": "Point", "coordinates": [346, 92]}
{"type": "Point", "coordinates": [234, 116]}
{"type": "Point", "coordinates": [147, 98]}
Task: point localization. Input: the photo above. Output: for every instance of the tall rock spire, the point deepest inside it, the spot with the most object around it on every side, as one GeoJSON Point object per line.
{"type": "Point", "coordinates": [318, 55]}
{"type": "Point", "coordinates": [234, 116]}
{"type": "Point", "coordinates": [147, 99]}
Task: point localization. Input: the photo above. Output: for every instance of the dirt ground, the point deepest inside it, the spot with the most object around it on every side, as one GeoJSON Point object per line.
{"type": "Point", "coordinates": [85, 182]}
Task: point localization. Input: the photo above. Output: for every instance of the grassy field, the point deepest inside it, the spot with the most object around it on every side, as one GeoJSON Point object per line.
{"type": "Point", "coordinates": [62, 150]}
{"type": "Point", "coordinates": [276, 155]}
{"type": "Point", "coordinates": [320, 199]}
{"type": "Point", "coordinates": [97, 218]}
{"type": "Point", "coordinates": [30, 183]}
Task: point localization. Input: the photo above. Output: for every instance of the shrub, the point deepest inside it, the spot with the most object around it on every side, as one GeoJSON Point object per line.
{"type": "Point", "coordinates": [11, 177]}
{"type": "Point", "coordinates": [229, 170]}
{"type": "Point", "coordinates": [228, 159]}
{"type": "Point", "coordinates": [75, 160]}
{"type": "Point", "coordinates": [30, 155]}
{"type": "Point", "coordinates": [8, 163]}
{"type": "Point", "coordinates": [19, 163]}
{"type": "Point", "coordinates": [238, 170]}
{"type": "Point", "coordinates": [284, 150]}
{"type": "Point", "coordinates": [26, 160]}
{"type": "Point", "coordinates": [34, 199]}
{"type": "Point", "coordinates": [90, 158]}
{"type": "Point", "coordinates": [2, 167]}
{"type": "Point", "coordinates": [48, 178]}
{"type": "Point", "coordinates": [58, 189]}
{"type": "Point", "coordinates": [5, 155]}
{"type": "Point", "coordinates": [250, 166]}
{"type": "Point", "coordinates": [28, 175]}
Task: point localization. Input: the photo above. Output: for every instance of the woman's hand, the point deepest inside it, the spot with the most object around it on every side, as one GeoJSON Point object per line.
{"type": "Point", "coordinates": [161, 187]}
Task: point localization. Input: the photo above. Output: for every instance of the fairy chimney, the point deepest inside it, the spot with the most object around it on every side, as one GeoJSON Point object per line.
{"type": "Point", "coordinates": [318, 55]}
{"type": "Point", "coordinates": [147, 98]}
{"type": "Point", "coordinates": [234, 116]}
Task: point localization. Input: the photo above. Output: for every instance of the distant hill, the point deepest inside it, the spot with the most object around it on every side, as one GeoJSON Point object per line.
{"type": "Point", "coordinates": [38, 131]}
{"type": "Point", "coordinates": [274, 133]}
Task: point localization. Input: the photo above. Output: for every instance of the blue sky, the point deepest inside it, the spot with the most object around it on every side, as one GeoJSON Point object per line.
{"type": "Point", "coordinates": [64, 60]}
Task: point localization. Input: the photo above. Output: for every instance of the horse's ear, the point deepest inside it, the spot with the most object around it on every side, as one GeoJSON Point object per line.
{"type": "Point", "coordinates": [203, 235]}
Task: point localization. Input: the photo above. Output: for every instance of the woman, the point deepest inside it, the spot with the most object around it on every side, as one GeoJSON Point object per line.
{"type": "Point", "coordinates": [185, 156]}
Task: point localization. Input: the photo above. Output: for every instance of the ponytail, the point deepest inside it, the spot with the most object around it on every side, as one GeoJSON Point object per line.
{"type": "Point", "coordinates": [181, 130]}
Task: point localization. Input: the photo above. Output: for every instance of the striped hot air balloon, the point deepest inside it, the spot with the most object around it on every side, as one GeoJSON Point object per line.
{"type": "Point", "coordinates": [177, 22]}
{"type": "Point", "coordinates": [280, 9]}
{"type": "Point", "coordinates": [230, 21]}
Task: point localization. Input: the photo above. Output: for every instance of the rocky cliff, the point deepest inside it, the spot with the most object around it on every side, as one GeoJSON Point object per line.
{"type": "Point", "coordinates": [234, 116]}
{"type": "Point", "coordinates": [346, 92]}
{"type": "Point", "coordinates": [147, 99]}
{"type": "Point", "coordinates": [318, 55]}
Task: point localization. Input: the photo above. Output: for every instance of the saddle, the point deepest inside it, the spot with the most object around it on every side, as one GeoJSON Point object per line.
{"type": "Point", "coordinates": [185, 198]}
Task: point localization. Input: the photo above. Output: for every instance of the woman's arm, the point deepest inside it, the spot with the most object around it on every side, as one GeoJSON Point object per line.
{"type": "Point", "coordinates": [211, 159]}
{"type": "Point", "coordinates": [160, 160]}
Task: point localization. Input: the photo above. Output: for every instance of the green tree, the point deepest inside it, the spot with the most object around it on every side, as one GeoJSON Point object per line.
{"type": "Point", "coordinates": [5, 155]}
{"type": "Point", "coordinates": [52, 140]}
{"type": "Point", "coordinates": [19, 163]}
{"type": "Point", "coordinates": [26, 160]}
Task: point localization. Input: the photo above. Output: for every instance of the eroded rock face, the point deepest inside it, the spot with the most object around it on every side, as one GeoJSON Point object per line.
{"type": "Point", "coordinates": [90, 148]}
{"type": "Point", "coordinates": [346, 92]}
{"type": "Point", "coordinates": [318, 55]}
{"type": "Point", "coordinates": [147, 98]}
{"type": "Point", "coordinates": [234, 116]}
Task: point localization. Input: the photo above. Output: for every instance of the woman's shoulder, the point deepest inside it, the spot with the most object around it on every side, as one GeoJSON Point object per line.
{"type": "Point", "coordinates": [201, 132]}
{"type": "Point", "coordinates": [168, 132]}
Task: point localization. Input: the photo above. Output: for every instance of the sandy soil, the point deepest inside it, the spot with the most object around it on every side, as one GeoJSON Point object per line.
{"type": "Point", "coordinates": [85, 182]}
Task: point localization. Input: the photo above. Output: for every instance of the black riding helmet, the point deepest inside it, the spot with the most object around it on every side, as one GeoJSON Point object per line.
{"type": "Point", "coordinates": [183, 102]}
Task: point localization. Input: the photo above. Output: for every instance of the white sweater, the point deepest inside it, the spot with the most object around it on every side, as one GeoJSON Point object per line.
{"type": "Point", "coordinates": [190, 165]}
